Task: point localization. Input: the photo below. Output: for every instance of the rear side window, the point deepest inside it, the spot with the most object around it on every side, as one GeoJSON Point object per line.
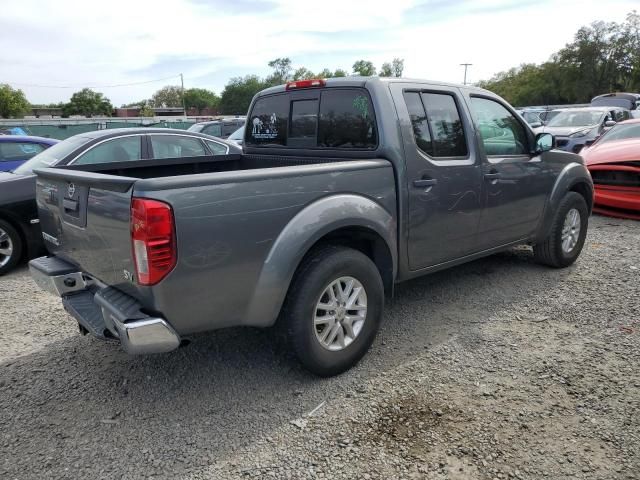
{"type": "Point", "coordinates": [215, 130]}
{"type": "Point", "coordinates": [174, 146]}
{"type": "Point", "coordinates": [436, 123]}
{"type": "Point", "coordinates": [217, 148]}
{"type": "Point", "coordinates": [340, 118]}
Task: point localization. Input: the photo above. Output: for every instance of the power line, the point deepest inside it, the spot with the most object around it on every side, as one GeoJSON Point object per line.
{"type": "Point", "coordinates": [91, 86]}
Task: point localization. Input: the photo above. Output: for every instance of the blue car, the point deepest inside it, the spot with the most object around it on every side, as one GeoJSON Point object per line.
{"type": "Point", "coordinates": [17, 149]}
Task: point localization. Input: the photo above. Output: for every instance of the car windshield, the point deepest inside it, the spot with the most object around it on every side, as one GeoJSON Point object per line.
{"type": "Point", "coordinates": [576, 118]}
{"type": "Point", "coordinates": [622, 131]}
{"type": "Point", "coordinates": [237, 135]}
{"type": "Point", "coordinates": [51, 155]}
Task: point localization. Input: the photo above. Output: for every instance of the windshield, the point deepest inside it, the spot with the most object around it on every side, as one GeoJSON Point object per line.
{"type": "Point", "coordinates": [237, 135]}
{"type": "Point", "coordinates": [196, 127]}
{"type": "Point", "coordinates": [51, 155]}
{"type": "Point", "coordinates": [622, 132]}
{"type": "Point", "coordinates": [576, 118]}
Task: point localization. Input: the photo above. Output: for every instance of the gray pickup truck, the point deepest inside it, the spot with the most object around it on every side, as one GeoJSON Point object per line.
{"type": "Point", "coordinates": [344, 188]}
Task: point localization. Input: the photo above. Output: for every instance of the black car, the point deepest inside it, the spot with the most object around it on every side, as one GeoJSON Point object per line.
{"type": "Point", "coordinates": [219, 128]}
{"type": "Point", "coordinates": [20, 233]}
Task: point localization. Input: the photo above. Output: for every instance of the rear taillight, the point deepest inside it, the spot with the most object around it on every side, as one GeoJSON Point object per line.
{"type": "Point", "coordinates": [317, 82]}
{"type": "Point", "coordinates": [153, 240]}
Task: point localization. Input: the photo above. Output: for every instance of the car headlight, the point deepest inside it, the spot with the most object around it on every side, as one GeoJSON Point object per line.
{"type": "Point", "coordinates": [581, 133]}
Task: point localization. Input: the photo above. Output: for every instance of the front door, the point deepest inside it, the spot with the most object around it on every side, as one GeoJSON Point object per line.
{"type": "Point", "coordinates": [515, 180]}
{"type": "Point", "coordinates": [443, 176]}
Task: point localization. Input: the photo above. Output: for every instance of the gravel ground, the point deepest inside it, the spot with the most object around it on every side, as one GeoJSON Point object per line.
{"type": "Point", "coordinates": [496, 369]}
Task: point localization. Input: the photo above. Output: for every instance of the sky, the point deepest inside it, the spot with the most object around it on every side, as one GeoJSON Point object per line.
{"type": "Point", "coordinates": [104, 45]}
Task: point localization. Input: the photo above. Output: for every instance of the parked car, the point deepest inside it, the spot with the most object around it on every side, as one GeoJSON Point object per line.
{"type": "Point", "coordinates": [19, 225]}
{"type": "Point", "coordinates": [218, 128]}
{"type": "Point", "coordinates": [345, 187]}
{"type": "Point", "coordinates": [533, 116]}
{"type": "Point", "coordinates": [237, 136]}
{"type": "Point", "coordinates": [614, 163]}
{"type": "Point", "coordinates": [629, 101]}
{"type": "Point", "coordinates": [576, 127]}
{"type": "Point", "coordinates": [17, 149]}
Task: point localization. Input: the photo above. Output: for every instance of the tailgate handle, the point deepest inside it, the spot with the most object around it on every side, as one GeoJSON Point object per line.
{"type": "Point", "coordinates": [70, 205]}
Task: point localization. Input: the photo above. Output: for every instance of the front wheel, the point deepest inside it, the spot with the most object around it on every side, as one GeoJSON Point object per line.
{"type": "Point", "coordinates": [568, 232]}
{"type": "Point", "coordinates": [333, 309]}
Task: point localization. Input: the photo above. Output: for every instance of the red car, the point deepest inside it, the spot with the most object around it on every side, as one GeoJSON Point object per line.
{"type": "Point", "coordinates": [614, 163]}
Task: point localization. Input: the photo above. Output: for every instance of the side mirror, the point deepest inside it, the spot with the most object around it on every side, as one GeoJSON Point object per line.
{"type": "Point", "coordinates": [535, 124]}
{"type": "Point", "coordinates": [609, 123]}
{"type": "Point", "coordinates": [544, 142]}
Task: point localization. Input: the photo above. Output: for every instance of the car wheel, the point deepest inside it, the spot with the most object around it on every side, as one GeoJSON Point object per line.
{"type": "Point", "coordinates": [568, 232]}
{"type": "Point", "coordinates": [10, 247]}
{"type": "Point", "coordinates": [333, 309]}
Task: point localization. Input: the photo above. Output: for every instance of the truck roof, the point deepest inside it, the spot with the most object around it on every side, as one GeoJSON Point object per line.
{"type": "Point", "coordinates": [359, 81]}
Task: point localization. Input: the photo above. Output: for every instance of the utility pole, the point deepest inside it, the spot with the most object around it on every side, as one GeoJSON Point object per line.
{"type": "Point", "coordinates": [465, 65]}
{"type": "Point", "coordinates": [184, 106]}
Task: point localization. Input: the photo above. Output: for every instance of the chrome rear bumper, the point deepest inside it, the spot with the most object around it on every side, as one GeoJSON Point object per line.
{"type": "Point", "coordinates": [106, 312]}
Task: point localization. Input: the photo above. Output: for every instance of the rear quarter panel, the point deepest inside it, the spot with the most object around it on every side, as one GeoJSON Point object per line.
{"type": "Point", "coordinates": [228, 226]}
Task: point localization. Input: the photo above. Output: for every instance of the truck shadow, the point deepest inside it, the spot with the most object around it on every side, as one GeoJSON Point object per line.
{"type": "Point", "coordinates": [80, 398]}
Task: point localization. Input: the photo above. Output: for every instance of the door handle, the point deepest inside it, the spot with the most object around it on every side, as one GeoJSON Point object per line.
{"type": "Point", "coordinates": [492, 176]}
{"type": "Point", "coordinates": [425, 182]}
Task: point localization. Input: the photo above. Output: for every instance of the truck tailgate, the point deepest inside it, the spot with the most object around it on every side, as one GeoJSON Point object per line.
{"type": "Point", "coordinates": [85, 219]}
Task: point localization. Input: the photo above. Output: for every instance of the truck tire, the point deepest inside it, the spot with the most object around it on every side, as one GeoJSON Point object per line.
{"type": "Point", "coordinates": [10, 247]}
{"type": "Point", "coordinates": [333, 309]}
{"type": "Point", "coordinates": [568, 232]}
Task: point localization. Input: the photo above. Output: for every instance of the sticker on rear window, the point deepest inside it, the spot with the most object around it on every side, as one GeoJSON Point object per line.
{"type": "Point", "coordinates": [264, 130]}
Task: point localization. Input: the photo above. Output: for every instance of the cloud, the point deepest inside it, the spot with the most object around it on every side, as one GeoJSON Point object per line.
{"type": "Point", "coordinates": [78, 43]}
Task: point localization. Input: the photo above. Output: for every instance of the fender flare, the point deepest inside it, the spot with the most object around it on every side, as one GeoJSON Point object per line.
{"type": "Point", "coordinates": [571, 175]}
{"type": "Point", "coordinates": [308, 226]}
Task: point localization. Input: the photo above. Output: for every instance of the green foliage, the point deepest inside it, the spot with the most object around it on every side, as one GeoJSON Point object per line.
{"type": "Point", "coordinates": [303, 73]}
{"type": "Point", "coordinates": [393, 69]}
{"type": "Point", "coordinates": [88, 103]}
{"type": "Point", "coordinates": [364, 68]}
{"type": "Point", "coordinates": [169, 96]}
{"type": "Point", "coordinates": [237, 94]}
{"type": "Point", "coordinates": [146, 110]}
{"type": "Point", "coordinates": [603, 57]}
{"type": "Point", "coordinates": [340, 73]}
{"type": "Point", "coordinates": [13, 103]}
{"type": "Point", "coordinates": [201, 98]}
{"type": "Point", "coordinates": [281, 71]}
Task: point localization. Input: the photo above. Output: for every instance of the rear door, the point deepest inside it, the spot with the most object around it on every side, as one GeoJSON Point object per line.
{"type": "Point", "coordinates": [443, 174]}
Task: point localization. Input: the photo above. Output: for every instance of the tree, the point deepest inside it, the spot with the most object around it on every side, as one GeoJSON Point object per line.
{"type": "Point", "coordinates": [169, 96]}
{"type": "Point", "coordinates": [88, 103]}
{"type": "Point", "coordinates": [393, 69]}
{"type": "Point", "coordinates": [146, 110]}
{"type": "Point", "coordinates": [201, 98]}
{"type": "Point", "coordinates": [281, 71]}
{"type": "Point", "coordinates": [237, 94]}
{"type": "Point", "coordinates": [364, 68]}
{"type": "Point", "coordinates": [603, 57]}
{"type": "Point", "coordinates": [340, 73]}
{"type": "Point", "coordinates": [13, 103]}
{"type": "Point", "coordinates": [303, 73]}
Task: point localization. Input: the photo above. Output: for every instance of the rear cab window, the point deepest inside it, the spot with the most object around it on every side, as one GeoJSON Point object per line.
{"type": "Point", "coordinates": [330, 118]}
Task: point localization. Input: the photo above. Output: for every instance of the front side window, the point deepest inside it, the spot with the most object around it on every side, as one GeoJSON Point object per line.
{"type": "Point", "coordinates": [500, 130]}
{"type": "Point", "coordinates": [436, 123]}
{"type": "Point", "coordinates": [121, 149]}
{"type": "Point", "coordinates": [175, 146]}
{"type": "Point", "coordinates": [11, 151]}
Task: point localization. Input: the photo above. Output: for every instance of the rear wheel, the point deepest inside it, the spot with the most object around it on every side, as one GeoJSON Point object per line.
{"type": "Point", "coordinates": [10, 247]}
{"type": "Point", "coordinates": [568, 232]}
{"type": "Point", "coordinates": [333, 309]}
